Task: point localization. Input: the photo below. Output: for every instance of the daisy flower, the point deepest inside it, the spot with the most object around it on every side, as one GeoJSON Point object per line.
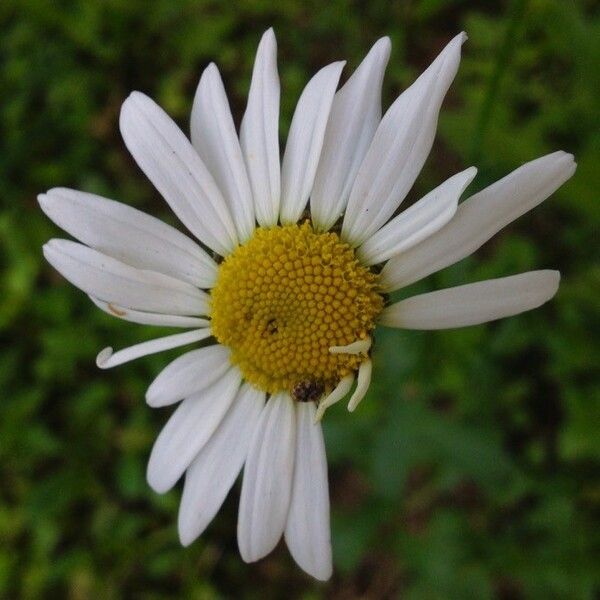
{"type": "Point", "coordinates": [286, 274]}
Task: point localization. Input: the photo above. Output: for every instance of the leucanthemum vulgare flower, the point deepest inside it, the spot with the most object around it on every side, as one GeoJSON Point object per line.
{"type": "Point", "coordinates": [287, 277]}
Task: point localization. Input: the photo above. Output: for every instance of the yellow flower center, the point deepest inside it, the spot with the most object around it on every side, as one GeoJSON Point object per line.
{"type": "Point", "coordinates": [283, 299]}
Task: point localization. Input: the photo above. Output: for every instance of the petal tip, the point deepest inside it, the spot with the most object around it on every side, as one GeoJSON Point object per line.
{"type": "Point", "coordinates": [471, 172]}
{"type": "Point", "coordinates": [246, 554]}
{"type": "Point", "coordinates": [103, 357]}
{"type": "Point", "coordinates": [136, 95]}
{"type": "Point", "coordinates": [158, 484]}
{"type": "Point", "coordinates": [186, 537]}
{"type": "Point", "coordinates": [572, 164]}
{"type": "Point", "coordinates": [383, 45]}
{"type": "Point", "coordinates": [151, 398]}
{"type": "Point", "coordinates": [268, 40]}
{"type": "Point", "coordinates": [135, 98]}
{"type": "Point", "coordinates": [563, 162]}
{"type": "Point", "coordinates": [548, 284]}
{"type": "Point", "coordinates": [211, 69]}
{"type": "Point", "coordinates": [50, 247]}
{"type": "Point", "coordinates": [324, 573]}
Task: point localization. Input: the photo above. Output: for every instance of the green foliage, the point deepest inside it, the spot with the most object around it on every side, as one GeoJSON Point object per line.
{"type": "Point", "coordinates": [470, 470]}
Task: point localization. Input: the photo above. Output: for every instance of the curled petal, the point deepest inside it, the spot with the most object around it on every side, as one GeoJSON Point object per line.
{"type": "Point", "coordinates": [107, 359]}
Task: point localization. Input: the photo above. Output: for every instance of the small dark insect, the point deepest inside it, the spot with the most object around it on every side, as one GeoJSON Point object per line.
{"type": "Point", "coordinates": [307, 390]}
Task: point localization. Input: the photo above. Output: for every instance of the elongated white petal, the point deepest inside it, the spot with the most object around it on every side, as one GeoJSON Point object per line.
{"type": "Point", "coordinates": [307, 531]}
{"type": "Point", "coordinates": [215, 469]}
{"type": "Point", "coordinates": [106, 359]}
{"type": "Point", "coordinates": [479, 218]}
{"type": "Point", "coordinates": [129, 235]}
{"type": "Point", "coordinates": [267, 484]}
{"type": "Point", "coordinates": [473, 303]}
{"type": "Point", "coordinates": [217, 143]}
{"type": "Point", "coordinates": [148, 318]}
{"type": "Point", "coordinates": [342, 389]}
{"type": "Point", "coordinates": [399, 148]}
{"type": "Point", "coordinates": [188, 374]}
{"type": "Point", "coordinates": [418, 222]}
{"type": "Point", "coordinates": [168, 159]}
{"type": "Point", "coordinates": [305, 141]}
{"type": "Point", "coordinates": [188, 430]}
{"type": "Point", "coordinates": [259, 132]}
{"type": "Point", "coordinates": [113, 281]}
{"type": "Point", "coordinates": [355, 115]}
{"type": "Point", "coordinates": [363, 381]}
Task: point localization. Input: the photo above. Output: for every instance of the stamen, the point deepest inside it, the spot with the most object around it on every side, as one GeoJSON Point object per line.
{"type": "Point", "coordinates": [362, 384]}
{"type": "Point", "coordinates": [106, 359]}
{"type": "Point", "coordinates": [342, 388]}
{"type": "Point", "coordinates": [358, 347]}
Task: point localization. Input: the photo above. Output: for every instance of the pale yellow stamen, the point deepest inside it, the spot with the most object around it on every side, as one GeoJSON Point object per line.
{"type": "Point", "coordinates": [341, 390]}
{"type": "Point", "coordinates": [358, 347]}
{"type": "Point", "coordinates": [362, 384]}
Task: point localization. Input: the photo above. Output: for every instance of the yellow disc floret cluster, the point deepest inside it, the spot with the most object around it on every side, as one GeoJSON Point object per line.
{"type": "Point", "coordinates": [284, 298]}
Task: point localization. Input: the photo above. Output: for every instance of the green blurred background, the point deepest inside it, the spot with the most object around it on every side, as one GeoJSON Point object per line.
{"type": "Point", "coordinates": [470, 471]}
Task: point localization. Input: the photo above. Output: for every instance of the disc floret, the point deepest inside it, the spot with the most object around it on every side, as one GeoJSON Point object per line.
{"type": "Point", "coordinates": [287, 296]}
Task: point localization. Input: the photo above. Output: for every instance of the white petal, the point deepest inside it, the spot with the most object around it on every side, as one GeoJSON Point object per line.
{"type": "Point", "coordinates": [148, 318]}
{"type": "Point", "coordinates": [168, 159]}
{"type": "Point", "coordinates": [215, 469]}
{"type": "Point", "coordinates": [418, 222]}
{"type": "Point", "coordinates": [259, 132]}
{"type": "Point", "coordinates": [106, 359]}
{"type": "Point", "coordinates": [305, 141]}
{"type": "Point", "coordinates": [110, 280]}
{"type": "Point", "coordinates": [473, 303]}
{"type": "Point", "coordinates": [479, 218]}
{"type": "Point", "coordinates": [267, 483]}
{"type": "Point", "coordinates": [355, 115]}
{"type": "Point", "coordinates": [187, 374]}
{"type": "Point", "coordinates": [129, 235]}
{"type": "Point", "coordinates": [363, 381]}
{"type": "Point", "coordinates": [215, 139]}
{"type": "Point", "coordinates": [188, 430]}
{"type": "Point", "coordinates": [399, 149]}
{"type": "Point", "coordinates": [307, 532]}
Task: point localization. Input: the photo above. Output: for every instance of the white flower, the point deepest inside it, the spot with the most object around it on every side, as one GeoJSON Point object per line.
{"type": "Point", "coordinates": [289, 303]}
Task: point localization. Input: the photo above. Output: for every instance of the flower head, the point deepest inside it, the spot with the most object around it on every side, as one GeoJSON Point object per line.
{"type": "Point", "coordinates": [287, 277]}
